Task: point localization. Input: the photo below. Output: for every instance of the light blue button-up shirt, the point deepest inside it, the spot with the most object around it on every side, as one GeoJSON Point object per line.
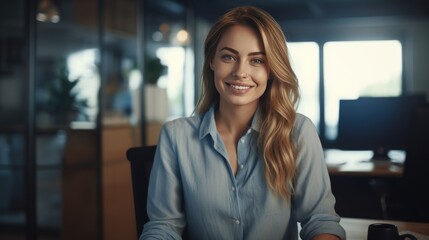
{"type": "Point", "coordinates": [192, 184]}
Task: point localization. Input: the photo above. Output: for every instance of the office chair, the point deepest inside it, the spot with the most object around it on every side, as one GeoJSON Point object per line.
{"type": "Point", "coordinates": [141, 160]}
{"type": "Point", "coordinates": [412, 197]}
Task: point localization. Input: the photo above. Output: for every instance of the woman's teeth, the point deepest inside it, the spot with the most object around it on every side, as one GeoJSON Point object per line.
{"type": "Point", "coordinates": [239, 87]}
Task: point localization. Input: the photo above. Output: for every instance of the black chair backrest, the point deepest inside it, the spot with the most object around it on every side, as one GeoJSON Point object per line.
{"type": "Point", "coordinates": [415, 181]}
{"type": "Point", "coordinates": [141, 160]}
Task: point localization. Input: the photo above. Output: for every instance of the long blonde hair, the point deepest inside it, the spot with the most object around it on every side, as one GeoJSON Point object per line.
{"type": "Point", "coordinates": [277, 103]}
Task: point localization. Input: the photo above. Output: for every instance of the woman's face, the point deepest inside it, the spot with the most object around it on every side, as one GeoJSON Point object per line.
{"type": "Point", "coordinates": [239, 66]}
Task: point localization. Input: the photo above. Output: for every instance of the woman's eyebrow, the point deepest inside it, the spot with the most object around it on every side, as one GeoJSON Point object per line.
{"type": "Point", "coordinates": [229, 49]}
{"type": "Point", "coordinates": [236, 52]}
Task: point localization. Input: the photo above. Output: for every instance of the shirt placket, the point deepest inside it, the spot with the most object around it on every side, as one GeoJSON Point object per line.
{"type": "Point", "coordinates": [242, 155]}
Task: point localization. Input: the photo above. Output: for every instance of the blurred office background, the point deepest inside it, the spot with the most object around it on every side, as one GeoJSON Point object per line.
{"type": "Point", "coordinates": [81, 81]}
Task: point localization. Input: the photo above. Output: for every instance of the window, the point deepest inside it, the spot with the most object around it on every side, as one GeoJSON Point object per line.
{"type": "Point", "coordinates": [359, 68]}
{"type": "Point", "coordinates": [304, 57]}
{"type": "Point", "coordinates": [176, 80]}
{"type": "Point", "coordinates": [351, 69]}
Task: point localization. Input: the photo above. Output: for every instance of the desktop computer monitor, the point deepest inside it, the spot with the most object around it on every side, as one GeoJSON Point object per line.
{"type": "Point", "coordinates": [379, 124]}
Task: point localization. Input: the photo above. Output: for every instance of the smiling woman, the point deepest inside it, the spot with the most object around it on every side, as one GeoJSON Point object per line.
{"type": "Point", "coordinates": [246, 165]}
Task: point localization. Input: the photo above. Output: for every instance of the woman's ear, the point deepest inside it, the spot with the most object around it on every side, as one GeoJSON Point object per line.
{"type": "Point", "coordinates": [211, 66]}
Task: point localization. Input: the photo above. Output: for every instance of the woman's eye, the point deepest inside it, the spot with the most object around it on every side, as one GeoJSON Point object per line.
{"type": "Point", "coordinates": [258, 61]}
{"type": "Point", "coordinates": [228, 58]}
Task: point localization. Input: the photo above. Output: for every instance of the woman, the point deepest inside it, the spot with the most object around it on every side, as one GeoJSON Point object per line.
{"type": "Point", "coordinates": [246, 165]}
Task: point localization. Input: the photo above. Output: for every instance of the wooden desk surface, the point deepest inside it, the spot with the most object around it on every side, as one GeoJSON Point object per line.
{"type": "Point", "coordinates": [354, 163]}
{"type": "Point", "coordinates": [357, 229]}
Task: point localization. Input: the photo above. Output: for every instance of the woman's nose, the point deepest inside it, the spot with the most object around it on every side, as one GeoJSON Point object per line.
{"type": "Point", "coordinates": [240, 74]}
{"type": "Point", "coordinates": [240, 71]}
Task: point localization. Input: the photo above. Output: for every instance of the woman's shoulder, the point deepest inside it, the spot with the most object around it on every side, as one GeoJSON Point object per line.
{"type": "Point", "coordinates": [190, 120]}
{"type": "Point", "coordinates": [302, 121]}
{"type": "Point", "coordinates": [183, 123]}
{"type": "Point", "coordinates": [303, 126]}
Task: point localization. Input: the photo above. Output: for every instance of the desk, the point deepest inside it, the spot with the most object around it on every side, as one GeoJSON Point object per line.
{"type": "Point", "coordinates": [357, 229]}
{"type": "Point", "coordinates": [361, 186]}
{"type": "Point", "coordinates": [354, 164]}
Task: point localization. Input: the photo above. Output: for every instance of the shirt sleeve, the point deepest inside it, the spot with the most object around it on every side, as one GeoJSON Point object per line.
{"type": "Point", "coordinates": [313, 202]}
{"type": "Point", "coordinates": [165, 198]}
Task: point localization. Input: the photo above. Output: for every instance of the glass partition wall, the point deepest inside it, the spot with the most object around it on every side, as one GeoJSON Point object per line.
{"type": "Point", "coordinates": [168, 75]}
{"type": "Point", "coordinates": [14, 212]}
{"type": "Point", "coordinates": [73, 75]}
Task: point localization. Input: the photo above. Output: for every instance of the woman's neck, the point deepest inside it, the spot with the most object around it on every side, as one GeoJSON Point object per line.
{"type": "Point", "coordinates": [234, 120]}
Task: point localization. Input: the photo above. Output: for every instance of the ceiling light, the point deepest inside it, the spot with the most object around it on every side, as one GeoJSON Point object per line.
{"type": "Point", "coordinates": [47, 12]}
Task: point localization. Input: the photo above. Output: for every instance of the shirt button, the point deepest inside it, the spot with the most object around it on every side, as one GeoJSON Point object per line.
{"type": "Point", "coordinates": [242, 140]}
{"type": "Point", "coordinates": [237, 221]}
{"type": "Point", "coordinates": [241, 166]}
{"type": "Point", "coordinates": [233, 189]}
{"type": "Point", "coordinates": [248, 131]}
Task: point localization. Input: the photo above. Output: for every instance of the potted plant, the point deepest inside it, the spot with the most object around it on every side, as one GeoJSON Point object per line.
{"type": "Point", "coordinates": [63, 102]}
{"type": "Point", "coordinates": [156, 98]}
{"type": "Point", "coordinates": [153, 69]}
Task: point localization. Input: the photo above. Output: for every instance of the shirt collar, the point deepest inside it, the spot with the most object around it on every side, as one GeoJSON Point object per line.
{"type": "Point", "coordinates": [208, 124]}
{"type": "Point", "coordinates": [256, 121]}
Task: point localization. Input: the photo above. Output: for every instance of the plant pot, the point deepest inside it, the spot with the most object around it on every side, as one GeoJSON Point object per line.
{"type": "Point", "coordinates": [156, 103]}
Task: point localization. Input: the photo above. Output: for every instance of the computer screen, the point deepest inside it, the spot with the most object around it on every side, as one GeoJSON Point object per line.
{"type": "Point", "coordinates": [379, 124]}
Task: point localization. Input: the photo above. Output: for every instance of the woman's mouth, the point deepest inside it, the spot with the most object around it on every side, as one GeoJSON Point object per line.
{"type": "Point", "coordinates": [238, 87]}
